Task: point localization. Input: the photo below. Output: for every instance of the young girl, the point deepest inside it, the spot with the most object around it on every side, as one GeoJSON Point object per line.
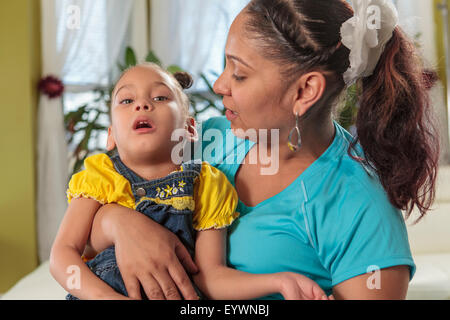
{"type": "Point", "coordinates": [195, 200]}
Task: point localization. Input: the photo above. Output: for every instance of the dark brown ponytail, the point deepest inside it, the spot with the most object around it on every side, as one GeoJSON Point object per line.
{"type": "Point", "coordinates": [395, 127]}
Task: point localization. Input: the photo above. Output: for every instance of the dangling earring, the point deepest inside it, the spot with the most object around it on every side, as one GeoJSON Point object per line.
{"type": "Point", "coordinates": [295, 147]}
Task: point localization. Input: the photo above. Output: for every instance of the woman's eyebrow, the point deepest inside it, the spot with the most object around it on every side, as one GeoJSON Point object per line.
{"type": "Point", "coordinates": [229, 56]}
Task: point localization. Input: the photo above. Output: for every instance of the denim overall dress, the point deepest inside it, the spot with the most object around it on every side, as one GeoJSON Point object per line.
{"type": "Point", "coordinates": [150, 196]}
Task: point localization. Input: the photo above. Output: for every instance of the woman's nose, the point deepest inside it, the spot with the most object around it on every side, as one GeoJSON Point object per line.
{"type": "Point", "coordinates": [221, 86]}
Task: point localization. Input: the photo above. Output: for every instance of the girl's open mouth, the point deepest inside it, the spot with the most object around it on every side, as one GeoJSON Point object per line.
{"type": "Point", "coordinates": [143, 125]}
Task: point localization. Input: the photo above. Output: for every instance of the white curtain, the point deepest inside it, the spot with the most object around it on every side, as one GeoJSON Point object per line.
{"type": "Point", "coordinates": [81, 41]}
{"type": "Point", "coordinates": [192, 34]}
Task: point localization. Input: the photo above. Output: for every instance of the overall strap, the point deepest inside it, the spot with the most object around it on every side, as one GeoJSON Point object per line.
{"type": "Point", "coordinates": [192, 165]}
{"type": "Point", "coordinates": [124, 170]}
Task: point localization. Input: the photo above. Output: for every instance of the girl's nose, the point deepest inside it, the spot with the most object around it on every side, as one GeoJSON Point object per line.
{"type": "Point", "coordinates": [144, 107]}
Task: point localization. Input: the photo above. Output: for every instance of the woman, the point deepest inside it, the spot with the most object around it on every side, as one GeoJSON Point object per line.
{"type": "Point", "coordinates": [332, 209]}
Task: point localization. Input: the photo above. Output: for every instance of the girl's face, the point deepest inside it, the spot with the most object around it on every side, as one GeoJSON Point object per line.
{"type": "Point", "coordinates": [145, 112]}
{"type": "Point", "coordinates": [251, 86]}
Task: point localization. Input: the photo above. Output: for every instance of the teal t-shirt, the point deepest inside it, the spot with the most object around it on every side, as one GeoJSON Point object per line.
{"type": "Point", "coordinates": [334, 222]}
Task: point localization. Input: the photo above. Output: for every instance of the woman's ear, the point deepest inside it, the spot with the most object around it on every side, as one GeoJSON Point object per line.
{"type": "Point", "coordinates": [110, 142]}
{"type": "Point", "coordinates": [192, 134]}
{"type": "Point", "coordinates": [309, 89]}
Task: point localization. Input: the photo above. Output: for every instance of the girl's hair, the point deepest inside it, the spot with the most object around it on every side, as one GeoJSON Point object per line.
{"type": "Point", "coordinates": [394, 124]}
{"type": "Point", "coordinates": [182, 80]}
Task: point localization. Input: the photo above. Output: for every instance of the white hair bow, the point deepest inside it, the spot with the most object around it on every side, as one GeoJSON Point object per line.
{"type": "Point", "coordinates": [366, 35]}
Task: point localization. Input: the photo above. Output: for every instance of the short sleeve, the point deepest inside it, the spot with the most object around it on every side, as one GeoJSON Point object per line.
{"type": "Point", "coordinates": [368, 234]}
{"type": "Point", "coordinates": [215, 199]}
{"type": "Point", "coordinates": [101, 182]}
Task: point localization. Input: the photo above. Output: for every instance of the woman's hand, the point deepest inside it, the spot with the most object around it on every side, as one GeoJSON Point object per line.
{"type": "Point", "coordinates": [147, 254]}
{"type": "Point", "coordinates": [294, 286]}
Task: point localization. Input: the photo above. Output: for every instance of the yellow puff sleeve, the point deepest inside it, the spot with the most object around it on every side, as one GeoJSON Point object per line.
{"type": "Point", "coordinates": [215, 199]}
{"type": "Point", "coordinates": [101, 182]}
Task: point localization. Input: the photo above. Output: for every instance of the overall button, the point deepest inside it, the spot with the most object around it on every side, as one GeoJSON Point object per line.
{"type": "Point", "coordinates": [140, 192]}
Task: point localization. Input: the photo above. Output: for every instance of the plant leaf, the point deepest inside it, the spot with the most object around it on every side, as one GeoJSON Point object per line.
{"type": "Point", "coordinates": [151, 57]}
{"type": "Point", "coordinates": [174, 68]}
{"type": "Point", "coordinates": [121, 67]}
{"type": "Point", "coordinates": [130, 57]}
{"type": "Point", "coordinates": [210, 87]}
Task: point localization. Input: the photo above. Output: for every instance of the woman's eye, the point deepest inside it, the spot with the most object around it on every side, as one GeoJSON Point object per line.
{"type": "Point", "coordinates": [126, 101]}
{"type": "Point", "coordinates": [238, 78]}
{"type": "Point", "coordinates": [160, 98]}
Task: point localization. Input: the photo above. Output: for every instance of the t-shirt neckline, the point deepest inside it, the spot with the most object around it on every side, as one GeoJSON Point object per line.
{"type": "Point", "coordinates": [332, 152]}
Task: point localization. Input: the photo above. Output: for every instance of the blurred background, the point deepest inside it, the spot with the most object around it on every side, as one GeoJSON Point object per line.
{"type": "Point", "coordinates": [58, 62]}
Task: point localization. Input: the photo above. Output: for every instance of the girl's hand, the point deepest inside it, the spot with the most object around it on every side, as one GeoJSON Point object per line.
{"type": "Point", "coordinates": [149, 255]}
{"type": "Point", "coordinates": [294, 286]}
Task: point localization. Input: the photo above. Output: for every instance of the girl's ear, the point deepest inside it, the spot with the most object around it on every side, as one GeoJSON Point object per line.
{"type": "Point", "coordinates": [192, 134]}
{"type": "Point", "coordinates": [110, 142]}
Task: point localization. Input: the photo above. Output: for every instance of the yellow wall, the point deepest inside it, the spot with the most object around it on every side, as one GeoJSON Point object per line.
{"type": "Point", "coordinates": [20, 71]}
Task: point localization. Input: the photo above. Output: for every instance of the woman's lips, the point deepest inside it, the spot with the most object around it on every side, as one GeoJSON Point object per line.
{"type": "Point", "coordinates": [231, 115]}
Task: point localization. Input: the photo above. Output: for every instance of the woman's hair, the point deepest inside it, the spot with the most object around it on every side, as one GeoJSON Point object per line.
{"type": "Point", "coordinates": [181, 80]}
{"type": "Point", "coordinates": [394, 123]}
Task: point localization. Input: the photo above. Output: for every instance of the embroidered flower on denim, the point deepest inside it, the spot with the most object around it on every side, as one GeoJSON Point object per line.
{"type": "Point", "coordinates": [181, 184]}
{"type": "Point", "coordinates": [168, 190]}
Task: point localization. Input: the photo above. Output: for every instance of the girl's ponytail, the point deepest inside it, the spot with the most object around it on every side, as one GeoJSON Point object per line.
{"type": "Point", "coordinates": [395, 127]}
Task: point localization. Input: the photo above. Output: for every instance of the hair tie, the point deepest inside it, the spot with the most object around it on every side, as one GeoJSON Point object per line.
{"type": "Point", "coordinates": [366, 35]}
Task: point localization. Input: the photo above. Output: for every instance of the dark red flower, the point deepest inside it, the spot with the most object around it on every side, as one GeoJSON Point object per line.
{"type": "Point", "coordinates": [51, 86]}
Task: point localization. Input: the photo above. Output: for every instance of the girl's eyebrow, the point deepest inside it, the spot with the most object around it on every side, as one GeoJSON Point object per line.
{"type": "Point", "coordinates": [156, 83]}
{"type": "Point", "coordinates": [160, 83]}
{"type": "Point", "coordinates": [229, 56]}
{"type": "Point", "coordinates": [124, 86]}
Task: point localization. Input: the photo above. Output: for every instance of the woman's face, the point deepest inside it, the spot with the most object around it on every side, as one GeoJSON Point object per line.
{"type": "Point", "coordinates": [251, 85]}
{"type": "Point", "coordinates": [144, 113]}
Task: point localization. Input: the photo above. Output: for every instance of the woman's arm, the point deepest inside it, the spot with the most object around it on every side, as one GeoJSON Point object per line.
{"type": "Point", "coordinates": [66, 264]}
{"type": "Point", "coordinates": [385, 284]}
{"type": "Point", "coordinates": [147, 253]}
{"type": "Point", "coordinates": [220, 282]}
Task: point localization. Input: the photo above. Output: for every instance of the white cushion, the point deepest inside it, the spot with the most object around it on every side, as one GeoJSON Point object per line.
{"type": "Point", "coordinates": [432, 278]}
{"type": "Point", "coordinates": [432, 233]}
{"type": "Point", "coordinates": [38, 285]}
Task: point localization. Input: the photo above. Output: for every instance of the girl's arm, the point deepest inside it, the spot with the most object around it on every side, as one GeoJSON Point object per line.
{"type": "Point", "coordinates": [220, 282]}
{"type": "Point", "coordinates": [66, 264]}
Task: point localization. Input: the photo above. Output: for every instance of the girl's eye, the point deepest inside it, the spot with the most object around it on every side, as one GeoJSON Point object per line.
{"type": "Point", "coordinates": [238, 78]}
{"type": "Point", "coordinates": [126, 101]}
{"type": "Point", "coordinates": [160, 98]}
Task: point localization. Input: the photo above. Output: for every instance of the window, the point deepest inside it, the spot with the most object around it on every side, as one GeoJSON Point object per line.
{"type": "Point", "coordinates": [91, 35]}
